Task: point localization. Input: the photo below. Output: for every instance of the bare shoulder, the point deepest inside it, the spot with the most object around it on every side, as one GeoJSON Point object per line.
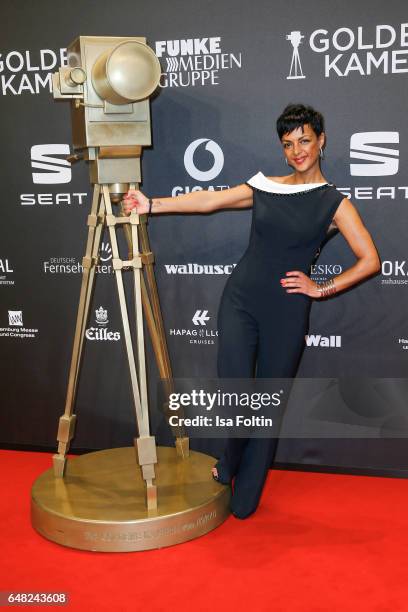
{"type": "Point", "coordinates": [347, 214]}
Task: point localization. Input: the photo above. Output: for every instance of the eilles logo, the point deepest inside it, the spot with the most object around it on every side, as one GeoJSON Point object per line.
{"type": "Point", "coordinates": [101, 332]}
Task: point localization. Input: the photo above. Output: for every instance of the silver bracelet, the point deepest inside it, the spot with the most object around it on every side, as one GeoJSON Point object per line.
{"type": "Point", "coordinates": [326, 288]}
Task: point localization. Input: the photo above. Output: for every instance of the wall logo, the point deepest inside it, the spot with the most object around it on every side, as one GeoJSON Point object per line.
{"type": "Point", "coordinates": [29, 71]}
{"type": "Point", "coordinates": [16, 327]}
{"type": "Point", "coordinates": [199, 269]}
{"type": "Point", "coordinates": [384, 160]}
{"type": "Point", "coordinates": [101, 332]}
{"type": "Point", "coordinates": [347, 51]}
{"type": "Point", "coordinates": [5, 269]}
{"type": "Point", "coordinates": [203, 161]}
{"type": "Point", "coordinates": [200, 334]}
{"type": "Point", "coordinates": [194, 62]}
{"type": "Point", "coordinates": [56, 170]}
{"type": "Point", "coordinates": [15, 317]}
{"type": "Point", "coordinates": [323, 341]}
{"type": "Point", "coordinates": [394, 272]}
{"type": "Point", "coordinates": [217, 160]}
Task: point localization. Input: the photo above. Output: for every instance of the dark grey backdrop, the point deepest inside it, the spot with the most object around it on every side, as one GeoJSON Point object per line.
{"type": "Point", "coordinates": [235, 105]}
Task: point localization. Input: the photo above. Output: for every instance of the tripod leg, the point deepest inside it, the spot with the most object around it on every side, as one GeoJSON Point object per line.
{"type": "Point", "coordinates": [67, 421]}
{"type": "Point", "coordinates": [145, 444]}
{"type": "Point", "coordinates": [163, 358]}
{"type": "Point", "coordinates": [154, 322]}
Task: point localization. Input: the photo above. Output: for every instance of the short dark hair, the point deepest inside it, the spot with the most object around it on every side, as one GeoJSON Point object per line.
{"type": "Point", "coordinates": [297, 115]}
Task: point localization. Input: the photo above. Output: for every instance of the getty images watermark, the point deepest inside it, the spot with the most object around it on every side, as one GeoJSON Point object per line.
{"type": "Point", "coordinates": [219, 401]}
{"type": "Point", "coordinates": [346, 407]}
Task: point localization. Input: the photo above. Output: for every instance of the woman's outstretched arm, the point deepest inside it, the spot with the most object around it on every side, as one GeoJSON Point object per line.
{"type": "Point", "coordinates": [195, 202]}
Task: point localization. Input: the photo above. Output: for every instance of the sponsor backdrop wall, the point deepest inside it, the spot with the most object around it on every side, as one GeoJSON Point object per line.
{"type": "Point", "coordinates": [229, 68]}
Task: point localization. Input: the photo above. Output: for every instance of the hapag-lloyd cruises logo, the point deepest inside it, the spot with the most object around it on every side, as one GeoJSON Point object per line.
{"type": "Point", "coordinates": [346, 51]}
{"type": "Point", "coordinates": [201, 333]}
{"type": "Point", "coordinates": [193, 62]}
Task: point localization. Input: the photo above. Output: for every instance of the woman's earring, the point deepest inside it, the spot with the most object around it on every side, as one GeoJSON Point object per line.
{"type": "Point", "coordinates": [286, 160]}
{"type": "Point", "coordinates": [321, 153]}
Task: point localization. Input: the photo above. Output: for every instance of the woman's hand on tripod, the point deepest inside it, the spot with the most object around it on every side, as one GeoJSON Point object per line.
{"type": "Point", "coordinates": [135, 199]}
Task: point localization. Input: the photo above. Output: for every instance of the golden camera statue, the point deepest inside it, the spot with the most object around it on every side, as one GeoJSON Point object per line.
{"type": "Point", "coordinates": [109, 81]}
{"type": "Point", "coordinates": [98, 501]}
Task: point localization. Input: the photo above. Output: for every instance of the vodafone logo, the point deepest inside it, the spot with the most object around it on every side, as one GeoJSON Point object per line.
{"type": "Point", "coordinates": [217, 157]}
{"type": "Point", "coordinates": [55, 170]}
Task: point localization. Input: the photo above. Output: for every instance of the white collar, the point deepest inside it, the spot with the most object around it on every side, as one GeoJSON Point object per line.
{"type": "Point", "coordinates": [260, 181]}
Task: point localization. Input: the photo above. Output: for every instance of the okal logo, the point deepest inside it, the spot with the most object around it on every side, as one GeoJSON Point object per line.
{"type": "Point", "coordinates": [192, 62]}
{"type": "Point", "coordinates": [5, 268]}
{"type": "Point", "coordinates": [101, 332]}
{"type": "Point", "coordinates": [394, 272]}
{"type": "Point", "coordinates": [384, 160]}
{"type": "Point", "coordinates": [217, 159]}
{"type": "Point", "coordinates": [15, 317]}
{"type": "Point", "coordinates": [56, 170]}
{"type": "Point", "coordinates": [347, 51]}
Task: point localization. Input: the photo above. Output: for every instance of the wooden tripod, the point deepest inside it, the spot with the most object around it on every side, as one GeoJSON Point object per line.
{"type": "Point", "coordinates": [147, 303]}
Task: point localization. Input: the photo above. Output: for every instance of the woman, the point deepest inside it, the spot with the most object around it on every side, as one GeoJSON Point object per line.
{"type": "Point", "coordinates": [264, 311]}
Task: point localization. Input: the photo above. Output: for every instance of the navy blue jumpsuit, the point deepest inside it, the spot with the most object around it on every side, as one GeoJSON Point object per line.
{"type": "Point", "coordinates": [262, 327]}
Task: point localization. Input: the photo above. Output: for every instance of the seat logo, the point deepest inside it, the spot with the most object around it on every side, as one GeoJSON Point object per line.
{"type": "Point", "coordinates": [55, 170]}
{"type": "Point", "coordinates": [384, 161]}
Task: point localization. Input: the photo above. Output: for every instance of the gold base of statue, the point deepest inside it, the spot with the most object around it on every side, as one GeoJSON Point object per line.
{"type": "Point", "coordinates": [100, 504]}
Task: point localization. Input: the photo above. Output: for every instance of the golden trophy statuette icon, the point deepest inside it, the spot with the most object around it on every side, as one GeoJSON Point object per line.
{"type": "Point", "coordinates": [102, 500]}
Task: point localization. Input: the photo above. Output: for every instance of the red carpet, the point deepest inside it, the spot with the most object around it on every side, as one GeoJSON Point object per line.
{"type": "Point", "coordinates": [318, 543]}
